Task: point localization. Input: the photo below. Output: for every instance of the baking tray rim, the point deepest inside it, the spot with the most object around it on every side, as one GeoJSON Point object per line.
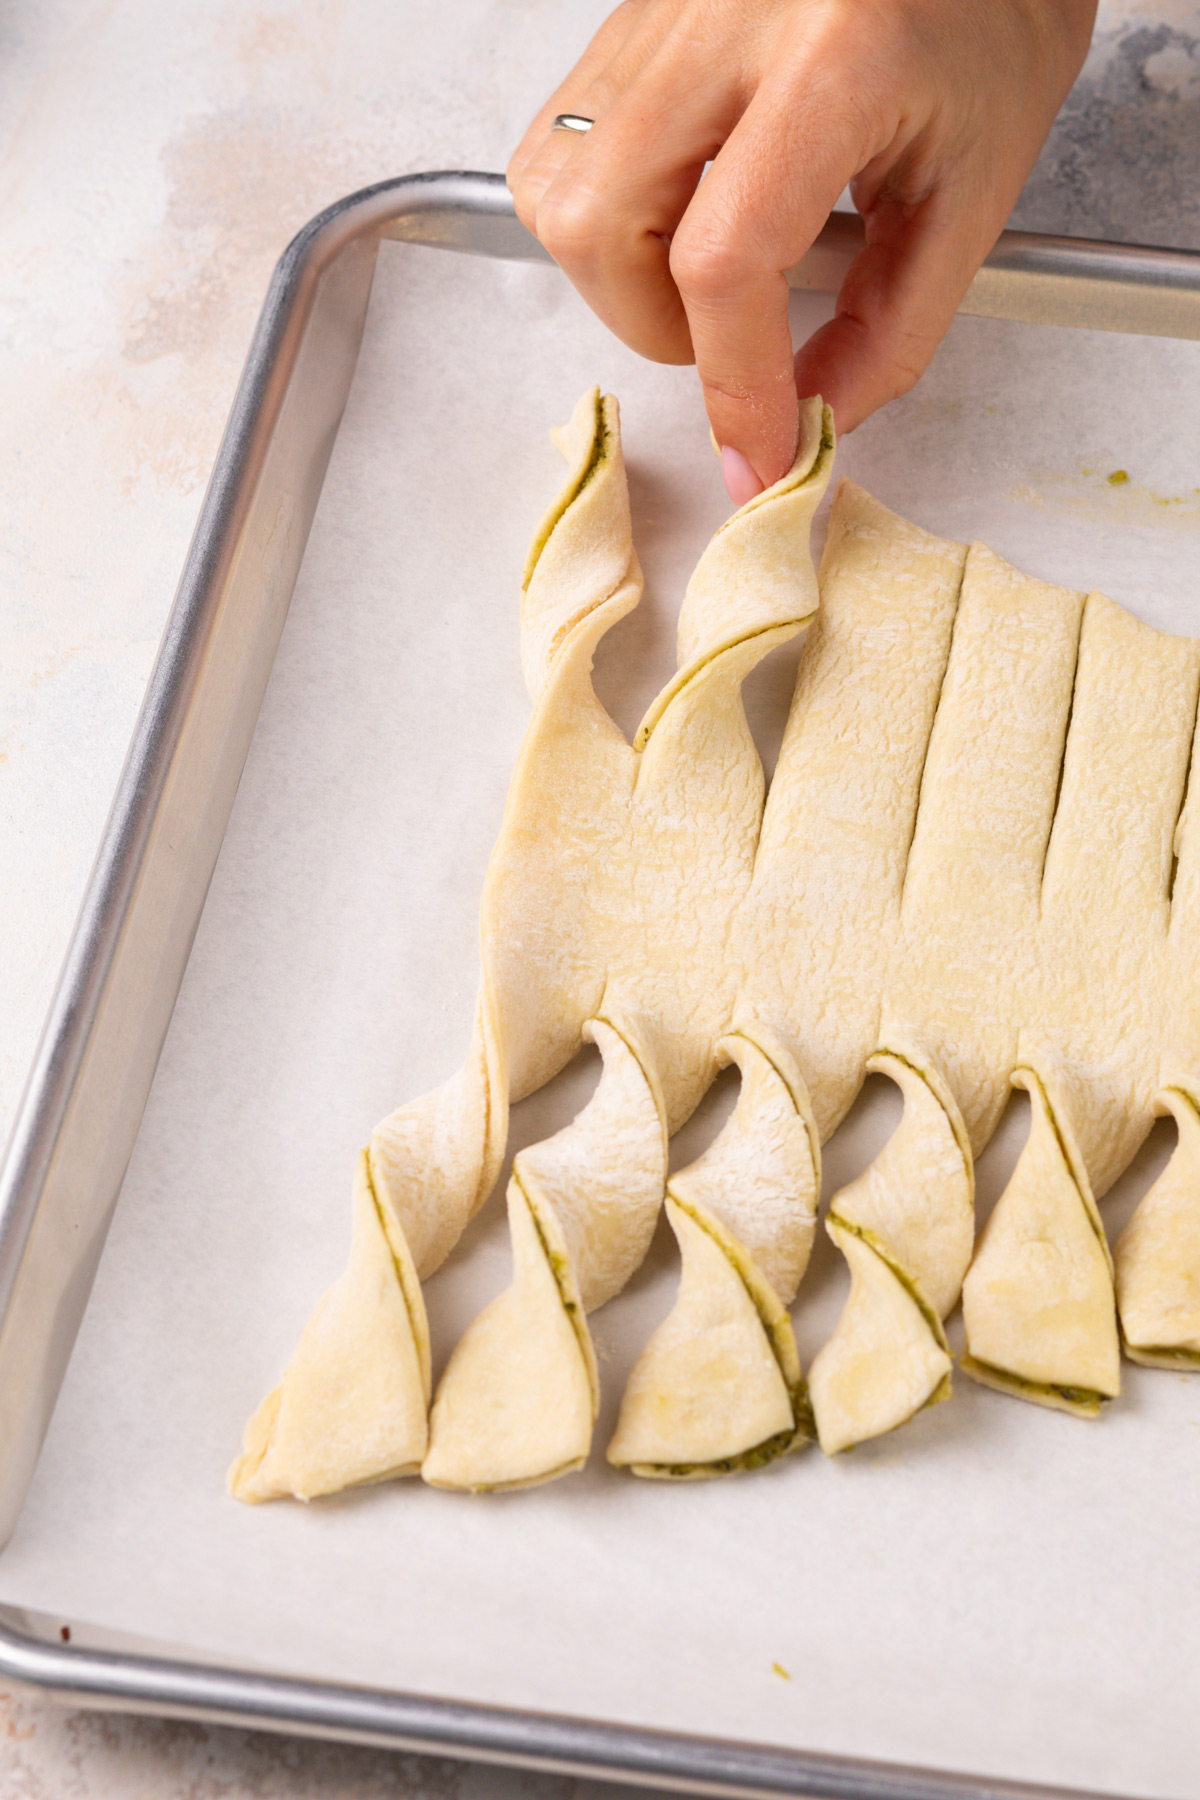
{"type": "Point", "coordinates": [416, 208]}
{"type": "Point", "coordinates": [545, 1743]}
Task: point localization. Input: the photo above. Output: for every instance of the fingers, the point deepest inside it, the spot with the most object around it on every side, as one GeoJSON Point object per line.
{"type": "Point", "coordinates": [897, 301]}
{"type": "Point", "coordinates": [606, 204]}
{"type": "Point", "coordinates": [935, 110]}
{"type": "Point", "coordinates": [683, 270]}
{"type": "Point", "coordinates": [607, 225]}
{"type": "Point", "coordinates": [613, 59]}
{"type": "Point", "coordinates": [935, 204]}
{"type": "Point", "coordinates": [617, 50]}
{"type": "Point", "coordinates": [759, 208]}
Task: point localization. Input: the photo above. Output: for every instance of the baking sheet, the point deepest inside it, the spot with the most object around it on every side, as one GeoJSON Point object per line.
{"type": "Point", "coordinates": [995, 1588]}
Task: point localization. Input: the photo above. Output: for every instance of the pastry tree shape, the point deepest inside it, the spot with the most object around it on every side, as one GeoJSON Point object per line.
{"type": "Point", "coordinates": [973, 867]}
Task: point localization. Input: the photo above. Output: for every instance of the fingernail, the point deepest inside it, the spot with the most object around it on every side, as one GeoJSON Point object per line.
{"type": "Point", "coordinates": [740, 480]}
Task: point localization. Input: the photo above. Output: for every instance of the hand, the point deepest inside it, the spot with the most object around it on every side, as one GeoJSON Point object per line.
{"type": "Point", "coordinates": [934, 112]}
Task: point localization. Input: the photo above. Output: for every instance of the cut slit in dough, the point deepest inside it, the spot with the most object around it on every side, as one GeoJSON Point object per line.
{"type": "Point", "coordinates": [972, 852]}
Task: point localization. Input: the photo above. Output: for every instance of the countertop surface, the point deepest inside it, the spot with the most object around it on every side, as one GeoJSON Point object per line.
{"type": "Point", "coordinates": [153, 163]}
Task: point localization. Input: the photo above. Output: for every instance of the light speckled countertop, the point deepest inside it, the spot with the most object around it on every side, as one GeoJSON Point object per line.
{"type": "Point", "coordinates": [48, 1753]}
{"type": "Point", "coordinates": [153, 162]}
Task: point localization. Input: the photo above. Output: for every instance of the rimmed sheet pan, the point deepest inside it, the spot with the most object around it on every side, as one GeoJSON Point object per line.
{"type": "Point", "coordinates": [80, 1117]}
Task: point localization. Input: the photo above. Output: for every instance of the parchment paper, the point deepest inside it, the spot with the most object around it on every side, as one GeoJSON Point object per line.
{"type": "Point", "coordinates": [995, 1588]}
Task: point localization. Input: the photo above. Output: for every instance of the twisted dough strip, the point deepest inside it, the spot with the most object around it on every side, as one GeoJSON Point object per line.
{"type": "Point", "coordinates": [433, 1162]}
{"type": "Point", "coordinates": [682, 805]}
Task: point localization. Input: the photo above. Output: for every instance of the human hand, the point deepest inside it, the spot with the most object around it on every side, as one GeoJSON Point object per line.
{"type": "Point", "coordinates": [933, 111]}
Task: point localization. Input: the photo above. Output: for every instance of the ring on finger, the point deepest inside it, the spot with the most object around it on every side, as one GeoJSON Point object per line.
{"type": "Point", "coordinates": [572, 122]}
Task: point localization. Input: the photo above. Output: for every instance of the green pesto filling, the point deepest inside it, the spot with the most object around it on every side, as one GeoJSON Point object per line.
{"type": "Point", "coordinates": [923, 1077]}
{"type": "Point", "coordinates": [561, 1270]}
{"type": "Point", "coordinates": [686, 676]}
{"type": "Point", "coordinates": [803, 1427]}
{"type": "Point", "coordinates": [755, 1458]}
{"type": "Point", "coordinates": [601, 447]}
{"type": "Point", "coordinates": [1074, 1396]}
{"type": "Point", "coordinates": [1069, 1163]}
{"type": "Point", "coordinates": [412, 1303]}
{"type": "Point", "coordinates": [898, 1270]}
{"type": "Point", "coordinates": [797, 1392]}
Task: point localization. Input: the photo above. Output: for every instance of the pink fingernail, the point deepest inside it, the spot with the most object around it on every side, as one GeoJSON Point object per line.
{"type": "Point", "coordinates": [740, 480]}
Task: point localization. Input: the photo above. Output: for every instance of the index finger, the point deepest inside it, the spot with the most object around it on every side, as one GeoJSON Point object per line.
{"type": "Point", "coordinates": [768, 193]}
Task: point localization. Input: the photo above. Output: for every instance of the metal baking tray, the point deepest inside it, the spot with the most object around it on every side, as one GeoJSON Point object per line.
{"type": "Point", "coordinates": [80, 1114]}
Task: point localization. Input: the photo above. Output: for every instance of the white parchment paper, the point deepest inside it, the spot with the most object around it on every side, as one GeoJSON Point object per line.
{"type": "Point", "coordinates": [995, 1588]}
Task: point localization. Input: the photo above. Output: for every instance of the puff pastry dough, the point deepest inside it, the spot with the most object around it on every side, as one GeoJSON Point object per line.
{"type": "Point", "coordinates": [974, 868]}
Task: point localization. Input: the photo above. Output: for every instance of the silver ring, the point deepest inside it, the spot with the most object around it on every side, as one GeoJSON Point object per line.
{"type": "Point", "coordinates": [572, 122]}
